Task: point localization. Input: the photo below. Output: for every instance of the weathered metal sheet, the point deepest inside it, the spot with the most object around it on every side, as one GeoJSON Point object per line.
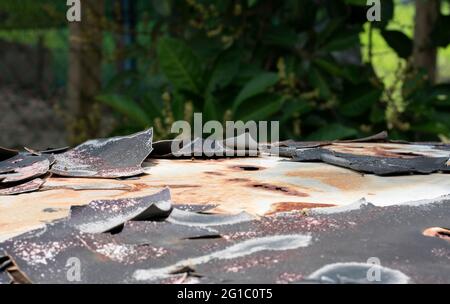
{"type": "Point", "coordinates": [106, 158]}
{"type": "Point", "coordinates": [391, 236]}
{"type": "Point", "coordinates": [285, 248]}
{"type": "Point", "coordinates": [161, 234]}
{"type": "Point", "coordinates": [256, 185]}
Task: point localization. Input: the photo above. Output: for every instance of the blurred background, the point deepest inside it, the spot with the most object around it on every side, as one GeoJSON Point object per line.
{"type": "Point", "coordinates": [317, 66]}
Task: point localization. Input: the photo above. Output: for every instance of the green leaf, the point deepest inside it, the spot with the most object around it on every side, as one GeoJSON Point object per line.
{"type": "Point", "coordinates": [285, 37]}
{"type": "Point", "coordinates": [361, 103]}
{"type": "Point", "coordinates": [440, 36]}
{"type": "Point", "coordinates": [333, 131]}
{"type": "Point", "coordinates": [260, 107]}
{"type": "Point", "coordinates": [332, 68]}
{"type": "Point", "coordinates": [297, 105]}
{"type": "Point", "coordinates": [226, 68]}
{"type": "Point", "coordinates": [163, 7]}
{"type": "Point", "coordinates": [257, 85]}
{"type": "Point", "coordinates": [210, 111]}
{"type": "Point", "coordinates": [177, 105]}
{"type": "Point", "coordinates": [180, 65]}
{"type": "Point", "coordinates": [127, 107]}
{"type": "Point", "coordinates": [251, 3]}
{"type": "Point", "coordinates": [320, 83]}
{"type": "Point", "coordinates": [402, 44]}
{"type": "Point", "coordinates": [342, 42]}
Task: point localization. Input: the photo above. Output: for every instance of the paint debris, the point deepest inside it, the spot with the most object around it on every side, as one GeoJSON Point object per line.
{"type": "Point", "coordinates": [242, 145]}
{"type": "Point", "coordinates": [103, 216]}
{"type": "Point", "coordinates": [26, 187]}
{"type": "Point", "coordinates": [107, 158]}
{"type": "Point", "coordinates": [24, 167]}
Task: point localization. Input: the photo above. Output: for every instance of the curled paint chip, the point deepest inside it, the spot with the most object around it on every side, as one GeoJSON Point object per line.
{"type": "Point", "coordinates": [114, 157]}
{"type": "Point", "coordinates": [26, 187]}
{"type": "Point", "coordinates": [105, 215]}
{"type": "Point", "coordinates": [23, 173]}
{"type": "Point", "coordinates": [242, 145]}
{"type": "Point", "coordinates": [379, 159]}
{"type": "Point", "coordinates": [23, 167]}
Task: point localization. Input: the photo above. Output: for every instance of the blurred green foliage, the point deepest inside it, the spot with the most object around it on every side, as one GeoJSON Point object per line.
{"type": "Point", "coordinates": [310, 64]}
{"type": "Point", "coordinates": [295, 61]}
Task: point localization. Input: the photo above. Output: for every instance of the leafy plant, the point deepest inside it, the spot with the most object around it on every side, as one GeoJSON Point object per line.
{"type": "Point", "coordinates": [295, 61]}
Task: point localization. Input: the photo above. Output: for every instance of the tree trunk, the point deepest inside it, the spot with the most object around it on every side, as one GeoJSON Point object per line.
{"type": "Point", "coordinates": [85, 61]}
{"type": "Point", "coordinates": [425, 54]}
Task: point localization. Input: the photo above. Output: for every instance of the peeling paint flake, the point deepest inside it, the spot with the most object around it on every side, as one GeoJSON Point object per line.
{"type": "Point", "coordinates": [107, 158]}
{"type": "Point", "coordinates": [24, 167]}
{"type": "Point", "coordinates": [102, 216]}
{"type": "Point", "coordinates": [379, 159]}
{"type": "Point", "coordinates": [26, 187]}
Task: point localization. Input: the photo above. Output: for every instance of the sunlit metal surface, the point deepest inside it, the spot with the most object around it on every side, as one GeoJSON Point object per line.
{"type": "Point", "coordinates": [259, 186]}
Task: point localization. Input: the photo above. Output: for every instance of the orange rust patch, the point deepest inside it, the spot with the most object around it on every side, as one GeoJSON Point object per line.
{"type": "Point", "coordinates": [342, 179]}
{"type": "Point", "coordinates": [276, 188]}
{"type": "Point", "coordinates": [438, 232]}
{"type": "Point", "coordinates": [370, 150]}
{"type": "Point", "coordinates": [294, 206]}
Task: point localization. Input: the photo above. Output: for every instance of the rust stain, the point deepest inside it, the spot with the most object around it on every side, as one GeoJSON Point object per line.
{"type": "Point", "coordinates": [239, 180]}
{"type": "Point", "coordinates": [442, 233]}
{"type": "Point", "coordinates": [294, 206]}
{"type": "Point", "coordinates": [276, 188]}
{"type": "Point", "coordinates": [214, 173]}
{"type": "Point", "coordinates": [246, 168]}
{"type": "Point", "coordinates": [380, 150]}
{"type": "Point", "coordinates": [343, 180]}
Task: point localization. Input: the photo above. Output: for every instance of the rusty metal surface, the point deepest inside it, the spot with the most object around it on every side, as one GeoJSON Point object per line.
{"type": "Point", "coordinates": [288, 247]}
{"type": "Point", "coordinates": [255, 185]}
{"type": "Point", "coordinates": [263, 219]}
